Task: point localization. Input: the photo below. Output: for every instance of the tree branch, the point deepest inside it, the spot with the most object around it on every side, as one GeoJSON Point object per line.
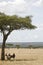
{"type": "Point", "coordinates": [8, 33]}
{"type": "Point", "coordinates": [10, 30]}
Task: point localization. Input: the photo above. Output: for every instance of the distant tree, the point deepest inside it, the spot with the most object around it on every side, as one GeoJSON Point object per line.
{"type": "Point", "coordinates": [17, 46]}
{"type": "Point", "coordinates": [9, 45]}
{"type": "Point", "coordinates": [30, 46]}
{"type": "Point", "coordinates": [10, 23]}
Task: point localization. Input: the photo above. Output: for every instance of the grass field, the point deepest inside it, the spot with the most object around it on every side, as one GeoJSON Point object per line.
{"type": "Point", "coordinates": [24, 57]}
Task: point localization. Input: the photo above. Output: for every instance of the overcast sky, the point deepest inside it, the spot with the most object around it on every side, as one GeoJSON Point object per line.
{"type": "Point", "coordinates": [25, 8]}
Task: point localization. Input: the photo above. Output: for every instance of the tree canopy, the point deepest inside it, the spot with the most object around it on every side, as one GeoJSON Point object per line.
{"type": "Point", "coordinates": [14, 22]}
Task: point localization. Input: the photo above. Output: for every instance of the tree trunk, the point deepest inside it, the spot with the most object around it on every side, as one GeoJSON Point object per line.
{"type": "Point", "coordinates": [3, 48]}
{"type": "Point", "coordinates": [3, 45]}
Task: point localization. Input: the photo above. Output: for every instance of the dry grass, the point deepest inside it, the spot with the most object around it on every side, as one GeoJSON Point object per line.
{"type": "Point", "coordinates": [24, 57]}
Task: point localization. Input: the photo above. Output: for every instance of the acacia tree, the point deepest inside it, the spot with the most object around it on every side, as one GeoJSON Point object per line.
{"type": "Point", "coordinates": [10, 23]}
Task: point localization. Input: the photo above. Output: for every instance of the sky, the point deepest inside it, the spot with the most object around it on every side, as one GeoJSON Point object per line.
{"type": "Point", "coordinates": [24, 8]}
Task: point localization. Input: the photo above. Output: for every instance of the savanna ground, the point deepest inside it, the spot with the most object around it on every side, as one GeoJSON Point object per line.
{"type": "Point", "coordinates": [24, 56]}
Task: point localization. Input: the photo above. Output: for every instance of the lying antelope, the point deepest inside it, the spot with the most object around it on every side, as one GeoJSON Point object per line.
{"type": "Point", "coordinates": [9, 56]}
